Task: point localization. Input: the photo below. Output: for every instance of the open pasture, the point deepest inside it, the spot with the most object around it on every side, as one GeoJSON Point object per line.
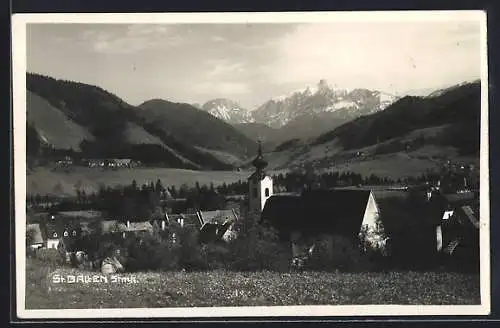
{"type": "Point", "coordinates": [44, 181]}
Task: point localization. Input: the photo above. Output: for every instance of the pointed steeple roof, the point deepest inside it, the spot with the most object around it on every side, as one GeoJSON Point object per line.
{"type": "Point", "coordinates": [259, 161]}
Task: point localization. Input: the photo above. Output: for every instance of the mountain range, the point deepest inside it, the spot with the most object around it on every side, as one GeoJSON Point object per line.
{"type": "Point", "coordinates": [320, 125]}
{"type": "Point", "coordinates": [443, 124]}
{"type": "Point", "coordinates": [301, 114]}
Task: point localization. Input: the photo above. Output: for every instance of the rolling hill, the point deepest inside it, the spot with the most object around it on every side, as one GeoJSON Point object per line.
{"type": "Point", "coordinates": [100, 124]}
{"type": "Point", "coordinates": [53, 126]}
{"type": "Point", "coordinates": [458, 106]}
{"type": "Point", "coordinates": [196, 127]}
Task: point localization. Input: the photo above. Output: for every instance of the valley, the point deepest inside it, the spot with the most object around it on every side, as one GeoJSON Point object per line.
{"type": "Point", "coordinates": [359, 131]}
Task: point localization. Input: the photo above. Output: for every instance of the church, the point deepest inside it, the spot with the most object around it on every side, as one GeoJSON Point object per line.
{"type": "Point", "coordinates": [352, 213]}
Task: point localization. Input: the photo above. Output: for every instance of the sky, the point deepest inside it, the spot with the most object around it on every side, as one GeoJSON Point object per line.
{"type": "Point", "coordinates": [251, 63]}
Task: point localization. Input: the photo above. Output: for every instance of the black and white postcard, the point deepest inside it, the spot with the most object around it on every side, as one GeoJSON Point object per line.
{"type": "Point", "coordinates": [229, 165]}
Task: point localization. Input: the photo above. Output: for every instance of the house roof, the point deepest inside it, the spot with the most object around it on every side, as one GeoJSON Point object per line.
{"type": "Point", "coordinates": [140, 226]}
{"type": "Point", "coordinates": [213, 230]}
{"type": "Point", "coordinates": [52, 228]}
{"type": "Point", "coordinates": [218, 216]}
{"type": "Point", "coordinates": [37, 233]}
{"type": "Point", "coordinates": [189, 218]}
{"type": "Point", "coordinates": [316, 211]}
{"type": "Point", "coordinates": [468, 213]}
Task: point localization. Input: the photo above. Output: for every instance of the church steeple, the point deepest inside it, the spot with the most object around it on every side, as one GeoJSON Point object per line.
{"type": "Point", "coordinates": [259, 162]}
{"type": "Point", "coordinates": [260, 185]}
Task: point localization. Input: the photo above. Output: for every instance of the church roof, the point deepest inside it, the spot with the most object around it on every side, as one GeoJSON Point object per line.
{"type": "Point", "coordinates": [259, 162]}
{"type": "Point", "coordinates": [317, 211]}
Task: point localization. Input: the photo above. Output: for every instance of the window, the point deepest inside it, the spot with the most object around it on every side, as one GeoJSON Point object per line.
{"type": "Point", "coordinates": [267, 192]}
{"type": "Point", "coordinates": [65, 234]}
{"type": "Point", "coordinates": [54, 235]}
{"type": "Point", "coordinates": [74, 233]}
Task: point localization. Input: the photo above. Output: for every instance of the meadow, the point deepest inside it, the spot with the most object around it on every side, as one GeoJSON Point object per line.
{"type": "Point", "coordinates": [62, 182]}
{"type": "Point", "coordinates": [261, 288]}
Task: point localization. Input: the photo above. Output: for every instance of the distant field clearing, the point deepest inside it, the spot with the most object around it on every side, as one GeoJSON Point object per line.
{"type": "Point", "coordinates": [44, 181]}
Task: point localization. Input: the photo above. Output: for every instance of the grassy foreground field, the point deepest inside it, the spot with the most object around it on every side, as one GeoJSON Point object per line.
{"type": "Point", "coordinates": [224, 288]}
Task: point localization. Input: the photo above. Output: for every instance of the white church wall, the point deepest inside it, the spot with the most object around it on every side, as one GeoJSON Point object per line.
{"type": "Point", "coordinates": [266, 183]}
{"type": "Point", "coordinates": [372, 229]}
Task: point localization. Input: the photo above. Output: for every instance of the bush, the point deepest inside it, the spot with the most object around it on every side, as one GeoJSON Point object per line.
{"type": "Point", "coordinates": [150, 253]}
{"type": "Point", "coordinates": [339, 253]}
{"type": "Point", "coordinates": [49, 256]}
{"type": "Point", "coordinates": [257, 248]}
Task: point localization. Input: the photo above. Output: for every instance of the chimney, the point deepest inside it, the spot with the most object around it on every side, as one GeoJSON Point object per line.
{"type": "Point", "coordinates": [128, 224]}
{"type": "Point", "coordinates": [162, 224]}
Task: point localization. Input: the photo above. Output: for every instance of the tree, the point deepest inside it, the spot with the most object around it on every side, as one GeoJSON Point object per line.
{"type": "Point", "coordinates": [159, 187]}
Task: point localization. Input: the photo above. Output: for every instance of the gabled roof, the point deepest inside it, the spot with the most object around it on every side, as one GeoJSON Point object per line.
{"type": "Point", "coordinates": [189, 218]}
{"type": "Point", "coordinates": [36, 233]}
{"type": "Point", "coordinates": [218, 216]}
{"type": "Point", "coordinates": [52, 228]}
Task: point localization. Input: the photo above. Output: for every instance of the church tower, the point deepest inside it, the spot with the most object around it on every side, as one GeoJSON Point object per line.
{"type": "Point", "coordinates": [260, 185]}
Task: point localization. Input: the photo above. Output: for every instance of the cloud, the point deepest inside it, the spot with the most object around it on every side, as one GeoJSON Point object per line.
{"type": "Point", "coordinates": [377, 55]}
{"type": "Point", "coordinates": [224, 68]}
{"type": "Point", "coordinates": [217, 38]}
{"type": "Point", "coordinates": [127, 39]}
{"type": "Point", "coordinates": [222, 89]}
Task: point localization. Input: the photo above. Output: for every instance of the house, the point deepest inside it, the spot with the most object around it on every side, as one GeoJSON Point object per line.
{"type": "Point", "coordinates": [449, 212]}
{"type": "Point", "coordinates": [36, 237]}
{"type": "Point", "coordinates": [53, 233]}
{"type": "Point", "coordinates": [140, 228]}
{"type": "Point", "coordinates": [218, 225]}
{"type": "Point", "coordinates": [458, 232]}
{"type": "Point", "coordinates": [65, 161]}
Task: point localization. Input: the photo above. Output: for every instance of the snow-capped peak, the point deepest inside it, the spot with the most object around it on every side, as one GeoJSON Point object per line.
{"type": "Point", "coordinates": [320, 98]}
{"type": "Point", "coordinates": [227, 110]}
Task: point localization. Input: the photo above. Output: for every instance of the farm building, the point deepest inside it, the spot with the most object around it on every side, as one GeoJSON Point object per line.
{"type": "Point", "coordinates": [111, 163]}
{"type": "Point", "coordinates": [456, 224]}
{"type": "Point", "coordinates": [36, 236]}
